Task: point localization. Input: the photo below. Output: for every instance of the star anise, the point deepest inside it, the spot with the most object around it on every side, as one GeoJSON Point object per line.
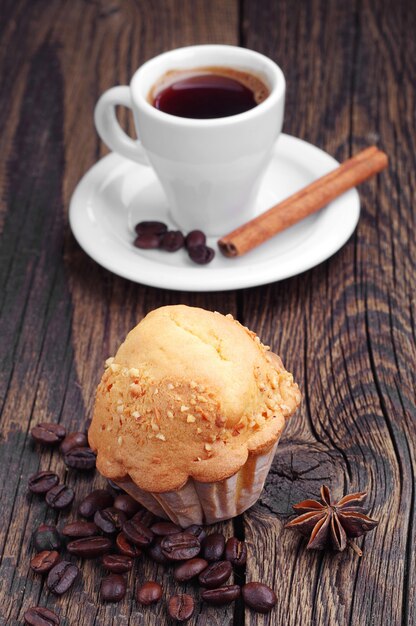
{"type": "Point", "coordinates": [332, 525]}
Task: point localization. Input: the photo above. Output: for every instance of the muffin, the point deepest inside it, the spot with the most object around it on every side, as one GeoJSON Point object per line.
{"type": "Point", "coordinates": [188, 415]}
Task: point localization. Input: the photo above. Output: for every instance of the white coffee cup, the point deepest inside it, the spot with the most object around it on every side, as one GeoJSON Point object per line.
{"type": "Point", "coordinates": [210, 169]}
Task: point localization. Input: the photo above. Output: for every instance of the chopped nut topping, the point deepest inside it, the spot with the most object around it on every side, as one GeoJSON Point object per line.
{"type": "Point", "coordinates": [184, 408]}
{"type": "Point", "coordinates": [156, 391]}
{"type": "Point", "coordinates": [193, 402]}
{"type": "Point", "coordinates": [155, 427]}
{"type": "Point", "coordinates": [190, 418]}
{"type": "Point", "coordinates": [120, 408]}
{"type": "Point", "coordinates": [192, 384]}
{"type": "Point", "coordinates": [120, 440]}
{"type": "Point", "coordinates": [133, 371]}
{"type": "Point", "coordinates": [199, 430]}
{"type": "Point", "coordinates": [239, 426]}
{"type": "Point", "coordinates": [161, 437]}
{"type": "Point", "coordinates": [136, 414]}
{"type": "Point", "coordinates": [114, 367]}
{"type": "Point", "coordinates": [169, 414]}
{"type": "Point", "coordinates": [208, 447]}
{"type": "Point", "coordinates": [170, 386]}
{"type": "Point", "coordinates": [109, 361]}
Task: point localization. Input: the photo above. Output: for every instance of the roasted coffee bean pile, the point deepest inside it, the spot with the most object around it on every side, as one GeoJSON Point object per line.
{"type": "Point", "coordinates": [76, 454]}
{"type": "Point", "coordinates": [73, 446]}
{"type": "Point", "coordinates": [151, 235]}
{"type": "Point", "coordinates": [117, 529]}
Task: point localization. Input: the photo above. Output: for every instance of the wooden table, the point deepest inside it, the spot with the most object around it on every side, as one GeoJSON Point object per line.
{"type": "Point", "coordinates": [346, 328]}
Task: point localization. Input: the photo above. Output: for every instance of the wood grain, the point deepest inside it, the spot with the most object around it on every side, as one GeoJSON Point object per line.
{"type": "Point", "coordinates": [346, 328]}
{"type": "Point", "coordinates": [351, 319]}
{"type": "Point", "coordinates": [63, 315]}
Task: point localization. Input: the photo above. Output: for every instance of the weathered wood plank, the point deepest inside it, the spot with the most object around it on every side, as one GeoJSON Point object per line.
{"type": "Point", "coordinates": [346, 328]}
{"type": "Point", "coordinates": [62, 315]}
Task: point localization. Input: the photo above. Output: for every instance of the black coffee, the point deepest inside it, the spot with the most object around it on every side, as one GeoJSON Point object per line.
{"type": "Point", "coordinates": [206, 93]}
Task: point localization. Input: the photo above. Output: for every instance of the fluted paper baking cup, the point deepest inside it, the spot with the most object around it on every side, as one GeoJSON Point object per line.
{"type": "Point", "coordinates": [207, 503]}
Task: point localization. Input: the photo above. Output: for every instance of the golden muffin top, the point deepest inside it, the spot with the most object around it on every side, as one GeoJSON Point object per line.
{"type": "Point", "coordinates": [189, 393]}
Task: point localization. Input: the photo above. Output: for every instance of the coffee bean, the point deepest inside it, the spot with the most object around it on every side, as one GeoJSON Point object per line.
{"type": "Point", "coordinates": [46, 538]}
{"type": "Point", "coordinates": [89, 547]}
{"type": "Point", "coordinates": [221, 595]}
{"type": "Point", "coordinates": [236, 551]}
{"type": "Point", "coordinates": [198, 531]}
{"type": "Point", "coordinates": [48, 434]}
{"type": "Point", "coordinates": [113, 588]}
{"type": "Point", "coordinates": [145, 517]}
{"type": "Point", "coordinates": [40, 616]}
{"type": "Point", "coordinates": [180, 547]}
{"type": "Point", "coordinates": [155, 228]}
{"type": "Point", "coordinates": [80, 458]}
{"type": "Point", "coordinates": [110, 520]}
{"type": "Point", "coordinates": [181, 607]}
{"type": "Point", "coordinates": [125, 546]}
{"type": "Point", "coordinates": [155, 552]}
{"type": "Point", "coordinates": [213, 547]}
{"type": "Point", "coordinates": [149, 593]}
{"type": "Point", "coordinates": [60, 496]}
{"type": "Point", "coordinates": [127, 504]}
{"type": "Point", "coordinates": [189, 569]}
{"type": "Point", "coordinates": [195, 238]}
{"type": "Point", "coordinates": [44, 561]}
{"type": "Point", "coordinates": [137, 532]}
{"type": "Point", "coordinates": [162, 529]}
{"type": "Point", "coordinates": [172, 241]}
{"type": "Point", "coordinates": [201, 254]}
{"type": "Point", "coordinates": [73, 440]}
{"type": "Point", "coordinates": [114, 486]}
{"type": "Point", "coordinates": [43, 481]}
{"type": "Point", "coordinates": [117, 563]}
{"type": "Point", "coordinates": [147, 241]}
{"type": "Point", "coordinates": [259, 597]}
{"type": "Point", "coordinates": [61, 577]}
{"type": "Point", "coordinates": [80, 528]}
{"type": "Point", "coordinates": [215, 574]}
{"type": "Point", "coordinates": [95, 501]}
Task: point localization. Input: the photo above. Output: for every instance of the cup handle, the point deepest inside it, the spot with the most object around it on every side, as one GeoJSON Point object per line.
{"type": "Point", "coordinates": [110, 130]}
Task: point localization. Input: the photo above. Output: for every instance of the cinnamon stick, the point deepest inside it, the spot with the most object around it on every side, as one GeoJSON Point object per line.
{"type": "Point", "coordinates": [304, 202]}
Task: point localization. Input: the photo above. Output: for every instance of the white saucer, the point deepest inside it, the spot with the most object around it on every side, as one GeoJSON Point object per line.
{"type": "Point", "coordinates": [116, 193]}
